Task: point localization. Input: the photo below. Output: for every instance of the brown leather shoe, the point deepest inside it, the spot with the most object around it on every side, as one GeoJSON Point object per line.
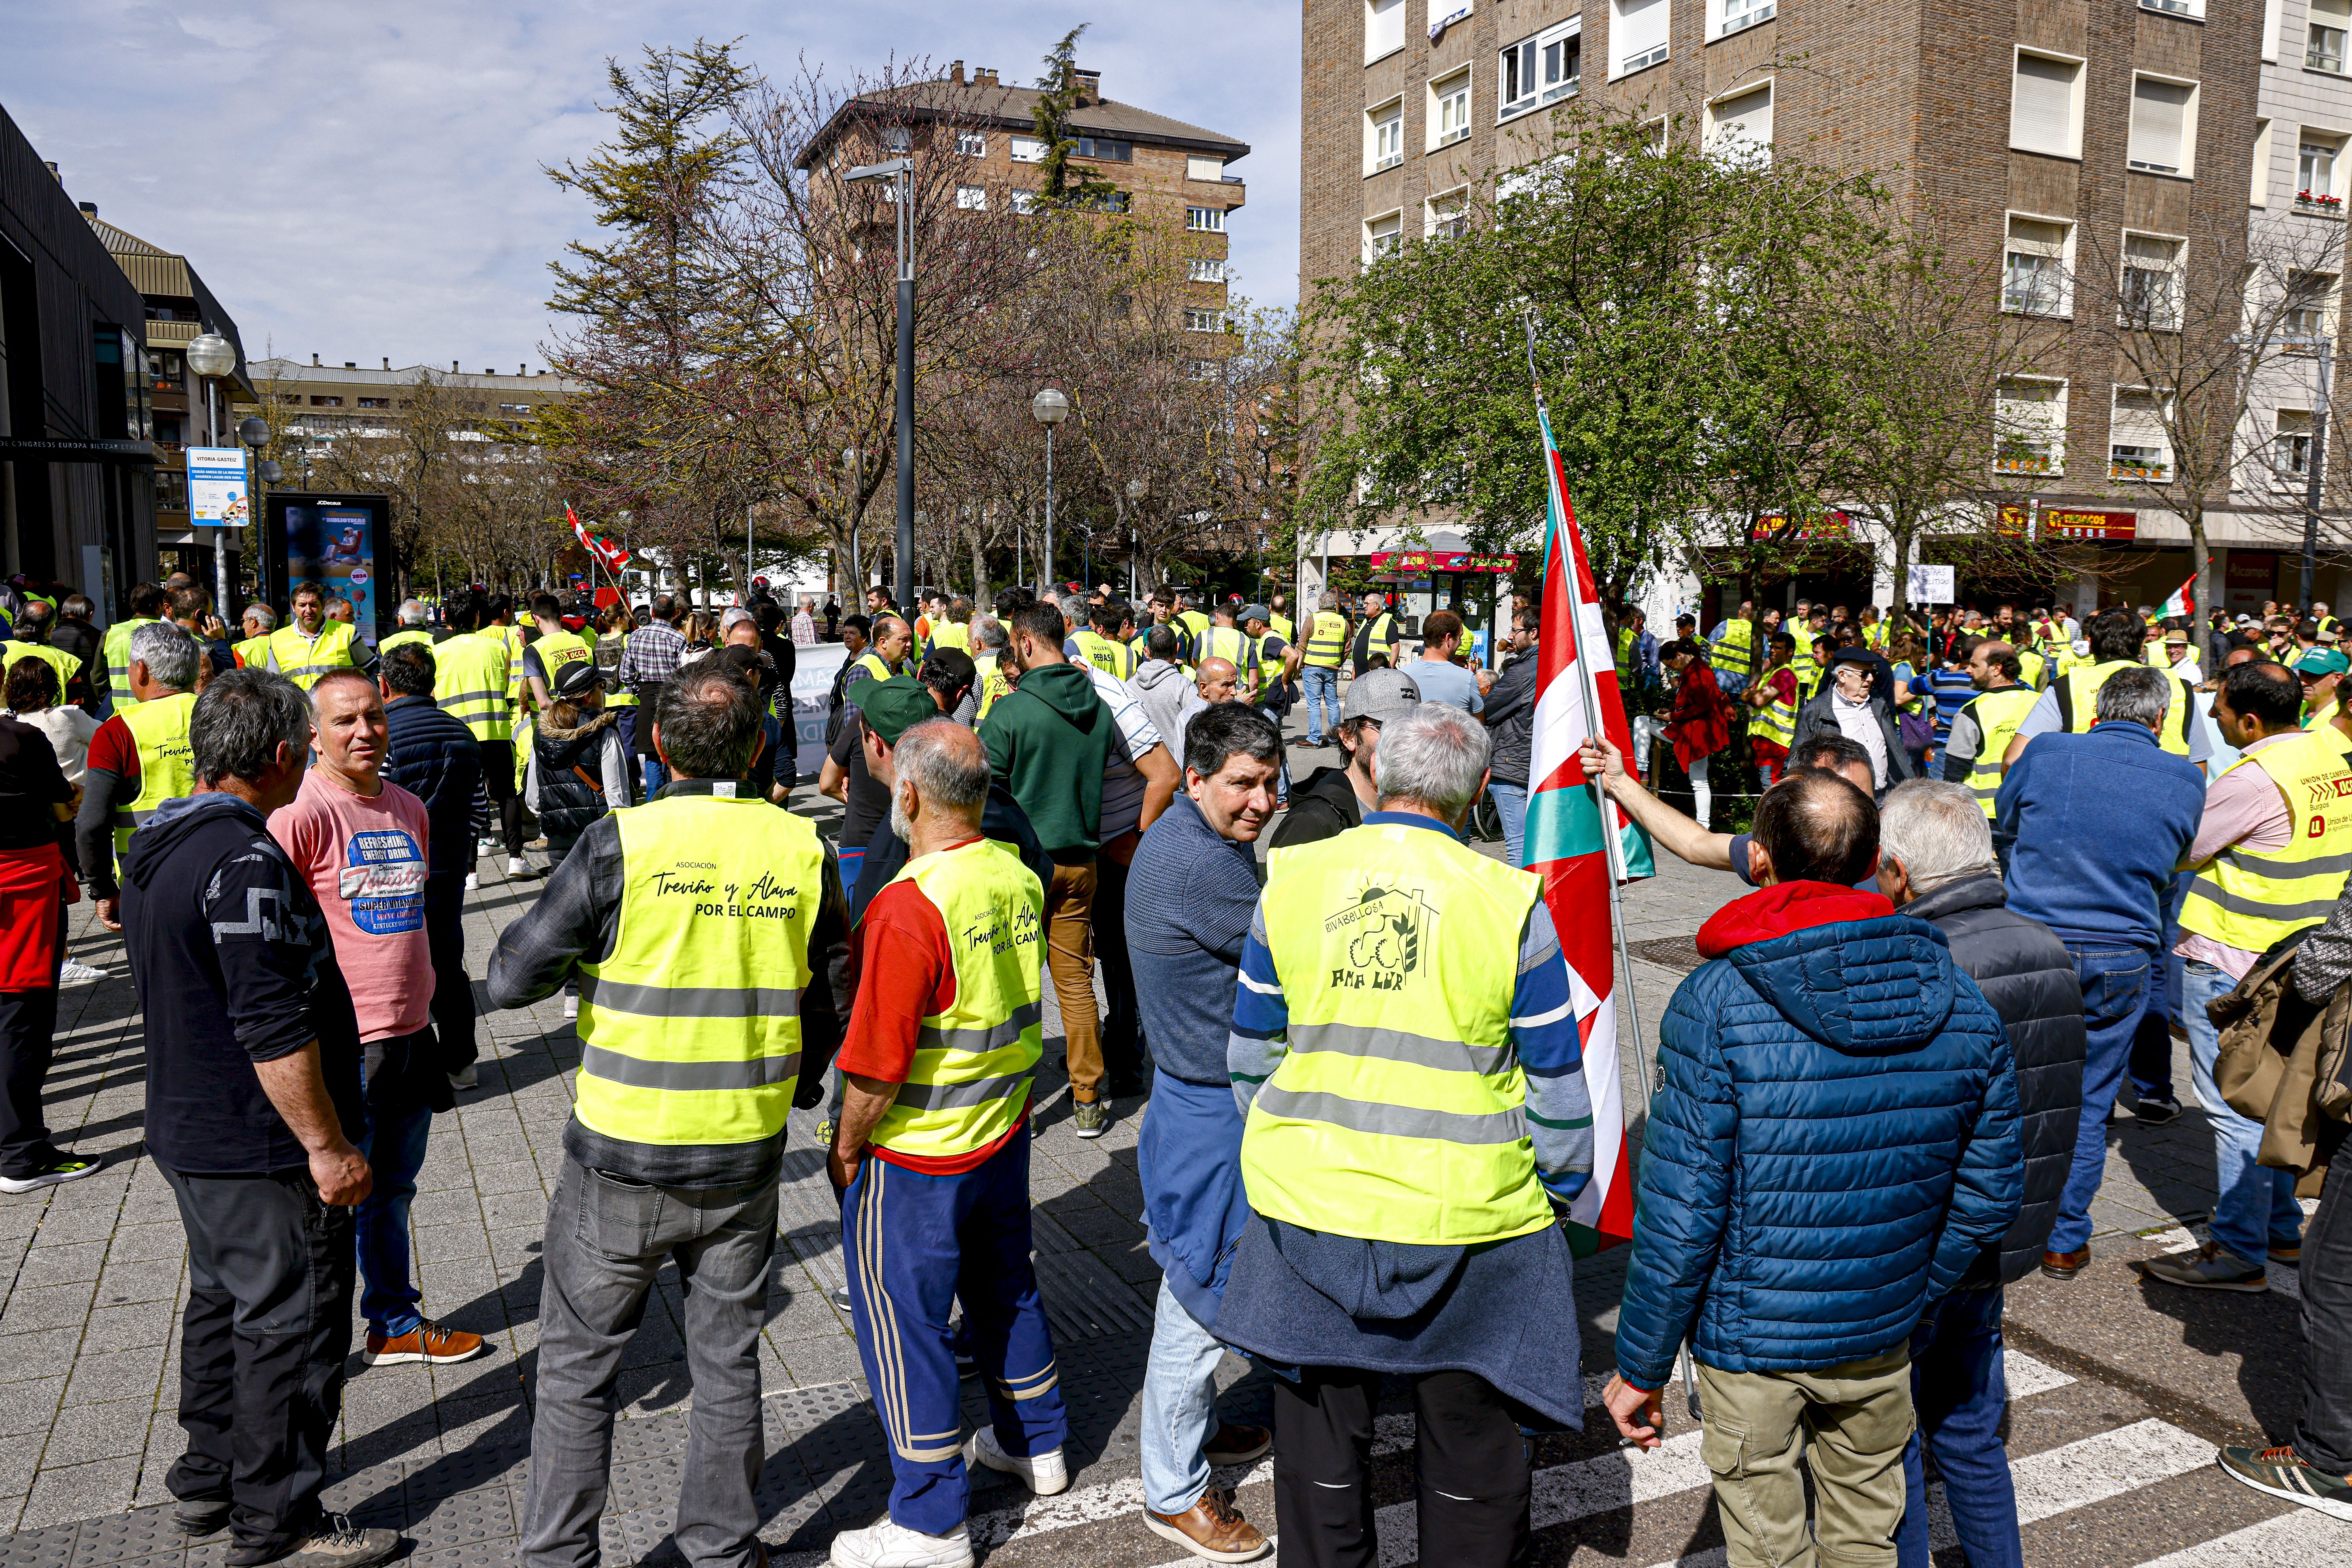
{"type": "Point", "coordinates": [2065, 1265]}
{"type": "Point", "coordinates": [1212, 1528]}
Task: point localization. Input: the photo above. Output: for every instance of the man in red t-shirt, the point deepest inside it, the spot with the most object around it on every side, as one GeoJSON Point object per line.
{"type": "Point", "coordinates": [361, 843]}
{"type": "Point", "coordinates": [931, 1156]}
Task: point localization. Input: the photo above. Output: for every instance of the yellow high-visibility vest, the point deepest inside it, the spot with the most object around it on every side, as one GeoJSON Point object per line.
{"type": "Point", "coordinates": [952, 634]}
{"type": "Point", "coordinates": [2078, 702]}
{"type": "Point", "coordinates": [613, 696]}
{"type": "Point", "coordinates": [1327, 640]}
{"type": "Point", "coordinates": [403, 637]}
{"type": "Point", "coordinates": [1284, 627]}
{"type": "Point", "coordinates": [1997, 715]}
{"type": "Point", "coordinates": [1106, 654]}
{"type": "Point", "coordinates": [691, 1031]}
{"type": "Point", "coordinates": [304, 660]}
{"type": "Point", "coordinates": [117, 652]}
{"type": "Point", "coordinates": [1231, 644]}
{"type": "Point", "coordinates": [57, 658]}
{"type": "Point", "coordinates": [2251, 901]}
{"type": "Point", "coordinates": [970, 1080]}
{"type": "Point", "coordinates": [469, 683]}
{"type": "Point", "coordinates": [252, 653]}
{"type": "Point", "coordinates": [992, 684]}
{"type": "Point", "coordinates": [1378, 635]}
{"type": "Point", "coordinates": [1776, 720]}
{"type": "Point", "coordinates": [166, 762]}
{"type": "Point", "coordinates": [555, 650]}
{"type": "Point", "coordinates": [1399, 1111]}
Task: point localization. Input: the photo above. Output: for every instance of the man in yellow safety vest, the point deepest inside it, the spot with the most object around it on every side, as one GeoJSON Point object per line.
{"type": "Point", "coordinates": [932, 1157]}
{"type": "Point", "coordinates": [1099, 644]}
{"type": "Point", "coordinates": [313, 645]}
{"type": "Point", "coordinates": [259, 621]}
{"type": "Point", "coordinates": [1227, 641]}
{"type": "Point", "coordinates": [1984, 726]}
{"type": "Point", "coordinates": [2117, 637]}
{"type": "Point", "coordinates": [700, 928]}
{"type": "Point", "coordinates": [471, 679]}
{"type": "Point", "coordinates": [140, 758]}
{"type": "Point", "coordinates": [1319, 669]}
{"type": "Point", "coordinates": [146, 608]}
{"type": "Point", "coordinates": [413, 616]}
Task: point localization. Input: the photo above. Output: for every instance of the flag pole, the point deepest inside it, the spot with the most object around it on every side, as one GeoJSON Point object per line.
{"type": "Point", "coordinates": [1589, 689]}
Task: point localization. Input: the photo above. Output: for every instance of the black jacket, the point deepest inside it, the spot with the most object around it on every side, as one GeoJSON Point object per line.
{"type": "Point", "coordinates": [435, 757]}
{"type": "Point", "coordinates": [87, 644]}
{"type": "Point", "coordinates": [1815, 720]}
{"type": "Point", "coordinates": [571, 788]}
{"type": "Point", "coordinates": [2027, 976]}
{"type": "Point", "coordinates": [1324, 806]}
{"type": "Point", "coordinates": [1511, 717]}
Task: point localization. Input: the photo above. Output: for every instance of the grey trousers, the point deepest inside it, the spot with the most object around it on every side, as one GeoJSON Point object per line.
{"type": "Point", "coordinates": [2323, 1434]}
{"type": "Point", "coordinates": [607, 1239]}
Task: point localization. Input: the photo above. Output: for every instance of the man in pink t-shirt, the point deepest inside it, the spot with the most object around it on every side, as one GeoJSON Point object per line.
{"type": "Point", "coordinates": [361, 843]}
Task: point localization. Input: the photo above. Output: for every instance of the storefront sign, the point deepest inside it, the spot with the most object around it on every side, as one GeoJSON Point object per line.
{"type": "Point", "coordinates": [1421, 560]}
{"type": "Point", "coordinates": [1828, 525]}
{"type": "Point", "coordinates": [2059, 523]}
{"type": "Point", "coordinates": [2247, 579]}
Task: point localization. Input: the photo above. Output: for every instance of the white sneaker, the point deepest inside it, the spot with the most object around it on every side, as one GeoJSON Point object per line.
{"type": "Point", "coordinates": [571, 1006]}
{"type": "Point", "coordinates": [1043, 1474]}
{"type": "Point", "coordinates": [78, 973]}
{"type": "Point", "coordinates": [517, 867]}
{"type": "Point", "coordinates": [473, 880]}
{"type": "Point", "coordinates": [890, 1544]}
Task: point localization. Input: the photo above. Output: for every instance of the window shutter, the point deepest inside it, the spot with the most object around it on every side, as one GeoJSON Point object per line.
{"type": "Point", "coordinates": [2041, 106]}
{"type": "Point", "coordinates": [2141, 250]}
{"type": "Point", "coordinates": [1747, 118]}
{"type": "Point", "coordinates": [1640, 26]}
{"type": "Point", "coordinates": [2139, 420]}
{"type": "Point", "coordinates": [2028, 237]}
{"type": "Point", "coordinates": [1384, 28]}
{"type": "Point", "coordinates": [2159, 118]}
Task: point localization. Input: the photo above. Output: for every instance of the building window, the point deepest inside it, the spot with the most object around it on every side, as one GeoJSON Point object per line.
{"type": "Point", "coordinates": [317, 402]}
{"type": "Point", "coordinates": [2175, 7]}
{"type": "Point", "coordinates": [1205, 321]}
{"type": "Point", "coordinates": [2258, 194]}
{"type": "Point", "coordinates": [1105, 151]}
{"type": "Point", "coordinates": [1028, 150]}
{"type": "Point", "coordinates": [898, 138]}
{"type": "Point", "coordinates": [1199, 168]}
{"type": "Point", "coordinates": [2315, 174]}
{"type": "Point", "coordinates": [2139, 445]}
{"type": "Point", "coordinates": [2290, 442]}
{"type": "Point", "coordinates": [1383, 137]}
{"type": "Point", "coordinates": [171, 490]}
{"type": "Point", "coordinates": [971, 198]}
{"type": "Point", "coordinates": [1206, 269]}
{"type": "Point", "coordinates": [2150, 296]}
{"type": "Point", "coordinates": [503, 407]}
{"type": "Point", "coordinates": [2163, 125]}
{"type": "Point", "coordinates": [1449, 110]}
{"type": "Point", "coordinates": [386, 402]}
{"type": "Point", "coordinates": [2323, 49]}
{"type": "Point", "coordinates": [1209, 219]}
{"type": "Point", "coordinates": [2046, 105]}
{"type": "Point", "coordinates": [1446, 216]}
{"type": "Point", "coordinates": [972, 143]}
{"type": "Point", "coordinates": [1024, 201]}
{"type": "Point", "coordinates": [1384, 28]}
{"type": "Point", "coordinates": [1539, 69]}
{"type": "Point", "coordinates": [2035, 268]}
{"type": "Point", "coordinates": [1383, 236]}
{"type": "Point", "coordinates": [1638, 34]}
{"type": "Point", "coordinates": [1740, 126]}
{"type": "Point", "coordinates": [2030, 426]}
{"type": "Point", "coordinates": [1738, 15]}
{"type": "Point", "coordinates": [2309, 306]}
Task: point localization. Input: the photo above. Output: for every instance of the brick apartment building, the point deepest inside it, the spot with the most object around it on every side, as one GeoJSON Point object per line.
{"type": "Point", "coordinates": [2036, 131]}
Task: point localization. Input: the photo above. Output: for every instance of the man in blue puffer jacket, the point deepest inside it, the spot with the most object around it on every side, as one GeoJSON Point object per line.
{"type": "Point", "coordinates": [1834, 1140]}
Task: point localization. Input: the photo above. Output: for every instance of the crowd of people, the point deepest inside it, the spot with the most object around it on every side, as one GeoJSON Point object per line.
{"type": "Point", "coordinates": [1367, 1114]}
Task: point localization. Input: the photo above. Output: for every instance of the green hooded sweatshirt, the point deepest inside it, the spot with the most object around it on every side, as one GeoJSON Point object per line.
{"type": "Point", "coordinates": [1048, 740]}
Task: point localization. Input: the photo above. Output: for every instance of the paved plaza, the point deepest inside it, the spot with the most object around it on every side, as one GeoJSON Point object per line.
{"type": "Point", "coordinates": [92, 1277]}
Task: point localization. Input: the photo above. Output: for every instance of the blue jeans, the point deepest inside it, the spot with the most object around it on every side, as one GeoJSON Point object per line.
{"type": "Point", "coordinates": [1180, 1406]}
{"type": "Point", "coordinates": [393, 1145]}
{"type": "Point", "coordinates": [1960, 1393]}
{"type": "Point", "coordinates": [656, 774]}
{"type": "Point", "coordinates": [1322, 688]}
{"type": "Point", "coordinates": [1511, 805]}
{"type": "Point", "coordinates": [2255, 1204]}
{"type": "Point", "coordinates": [1281, 757]}
{"type": "Point", "coordinates": [2115, 994]}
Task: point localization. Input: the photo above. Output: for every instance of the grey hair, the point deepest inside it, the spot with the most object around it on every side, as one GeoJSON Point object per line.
{"type": "Point", "coordinates": [169, 653]}
{"type": "Point", "coordinates": [988, 635]}
{"type": "Point", "coordinates": [413, 612]}
{"type": "Point", "coordinates": [945, 763]}
{"type": "Point", "coordinates": [241, 720]}
{"type": "Point", "coordinates": [2139, 694]}
{"type": "Point", "coordinates": [1938, 831]}
{"type": "Point", "coordinates": [1327, 602]}
{"type": "Point", "coordinates": [1435, 756]}
{"type": "Point", "coordinates": [268, 617]}
{"type": "Point", "coordinates": [710, 723]}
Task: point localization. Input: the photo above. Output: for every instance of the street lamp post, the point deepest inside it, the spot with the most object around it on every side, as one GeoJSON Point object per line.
{"type": "Point", "coordinates": [903, 171]}
{"type": "Point", "coordinates": [254, 431]}
{"type": "Point", "coordinates": [1050, 408]}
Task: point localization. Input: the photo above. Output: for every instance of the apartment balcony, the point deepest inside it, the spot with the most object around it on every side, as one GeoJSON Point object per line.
{"type": "Point", "coordinates": [2029, 462]}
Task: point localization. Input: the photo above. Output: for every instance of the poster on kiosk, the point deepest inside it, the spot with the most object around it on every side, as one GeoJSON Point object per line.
{"type": "Point", "coordinates": [340, 544]}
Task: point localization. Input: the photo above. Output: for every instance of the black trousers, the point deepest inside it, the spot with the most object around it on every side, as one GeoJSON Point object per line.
{"type": "Point", "coordinates": [498, 782]}
{"type": "Point", "coordinates": [262, 1343]}
{"type": "Point", "coordinates": [2322, 1434]}
{"type": "Point", "coordinates": [1474, 1470]}
{"type": "Point", "coordinates": [28, 1031]}
{"type": "Point", "coordinates": [453, 989]}
{"type": "Point", "coordinates": [1123, 1025]}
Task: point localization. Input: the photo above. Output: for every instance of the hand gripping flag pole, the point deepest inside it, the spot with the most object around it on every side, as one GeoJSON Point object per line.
{"type": "Point", "coordinates": [1566, 813]}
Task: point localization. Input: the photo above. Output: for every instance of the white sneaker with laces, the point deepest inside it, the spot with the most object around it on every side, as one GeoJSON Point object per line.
{"type": "Point", "coordinates": [890, 1544]}
{"type": "Point", "coordinates": [1043, 1474]}
{"type": "Point", "coordinates": [78, 973]}
{"type": "Point", "coordinates": [517, 867]}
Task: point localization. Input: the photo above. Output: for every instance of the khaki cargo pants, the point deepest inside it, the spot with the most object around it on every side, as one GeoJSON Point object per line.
{"type": "Point", "coordinates": [1847, 1423]}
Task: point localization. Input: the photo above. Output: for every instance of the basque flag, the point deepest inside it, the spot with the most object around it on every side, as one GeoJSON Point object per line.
{"type": "Point", "coordinates": [1570, 827]}
{"type": "Point", "coordinates": [612, 555]}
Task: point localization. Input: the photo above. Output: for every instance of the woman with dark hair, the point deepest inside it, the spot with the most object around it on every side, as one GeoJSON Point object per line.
{"type": "Point", "coordinates": [35, 697]}
{"type": "Point", "coordinates": [35, 884]}
{"type": "Point", "coordinates": [1697, 722]}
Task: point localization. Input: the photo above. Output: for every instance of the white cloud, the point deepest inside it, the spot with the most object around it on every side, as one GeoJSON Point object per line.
{"type": "Point", "coordinates": [363, 178]}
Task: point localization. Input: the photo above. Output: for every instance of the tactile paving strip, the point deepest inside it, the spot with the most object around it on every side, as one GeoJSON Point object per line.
{"type": "Point", "coordinates": [1084, 1300]}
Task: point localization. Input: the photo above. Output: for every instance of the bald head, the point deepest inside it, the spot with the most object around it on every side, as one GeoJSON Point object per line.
{"type": "Point", "coordinates": [891, 637]}
{"type": "Point", "coordinates": [1218, 680]}
{"type": "Point", "coordinates": [941, 785]}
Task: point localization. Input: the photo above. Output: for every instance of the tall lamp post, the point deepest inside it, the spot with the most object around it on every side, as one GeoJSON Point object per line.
{"type": "Point", "coordinates": [1051, 407]}
{"type": "Point", "coordinates": [1138, 492]}
{"type": "Point", "coordinates": [254, 431]}
{"type": "Point", "coordinates": [213, 356]}
{"type": "Point", "coordinates": [902, 169]}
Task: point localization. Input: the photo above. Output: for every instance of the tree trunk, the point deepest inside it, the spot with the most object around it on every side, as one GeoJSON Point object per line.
{"type": "Point", "coordinates": [976, 538]}
{"type": "Point", "coordinates": [1902, 579]}
{"type": "Point", "coordinates": [2200, 550]}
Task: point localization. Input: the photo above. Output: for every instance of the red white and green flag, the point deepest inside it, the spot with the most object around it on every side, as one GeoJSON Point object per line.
{"type": "Point", "coordinates": [613, 554]}
{"type": "Point", "coordinates": [2182, 603]}
{"type": "Point", "coordinates": [1578, 840]}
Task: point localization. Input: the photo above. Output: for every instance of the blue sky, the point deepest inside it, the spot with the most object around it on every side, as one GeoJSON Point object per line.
{"type": "Point", "coordinates": [362, 178]}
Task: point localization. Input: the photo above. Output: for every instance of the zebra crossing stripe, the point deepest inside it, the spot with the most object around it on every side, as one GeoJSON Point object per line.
{"type": "Point", "coordinates": [2296, 1538]}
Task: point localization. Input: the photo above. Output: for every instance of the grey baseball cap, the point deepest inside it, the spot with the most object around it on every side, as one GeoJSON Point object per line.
{"type": "Point", "coordinates": [1381, 695]}
{"type": "Point", "coordinates": [1254, 612]}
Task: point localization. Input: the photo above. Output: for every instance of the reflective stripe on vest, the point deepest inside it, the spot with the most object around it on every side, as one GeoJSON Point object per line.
{"type": "Point", "coordinates": [614, 696]}
{"type": "Point", "coordinates": [304, 660]}
{"type": "Point", "coordinates": [1776, 722]}
{"type": "Point", "coordinates": [2251, 900]}
{"type": "Point", "coordinates": [1231, 645]}
{"type": "Point", "coordinates": [469, 683]}
{"type": "Point", "coordinates": [1399, 1111]}
{"type": "Point", "coordinates": [159, 730]}
{"type": "Point", "coordinates": [691, 1031]}
{"type": "Point", "coordinates": [1104, 654]}
{"type": "Point", "coordinates": [1377, 636]}
{"type": "Point", "coordinates": [1997, 715]}
{"type": "Point", "coordinates": [2078, 701]}
{"type": "Point", "coordinates": [968, 1083]}
{"type": "Point", "coordinates": [116, 650]}
{"type": "Point", "coordinates": [1327, 640]}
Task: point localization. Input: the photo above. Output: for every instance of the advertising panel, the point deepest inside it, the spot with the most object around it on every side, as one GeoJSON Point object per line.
{"type": "Point", "coordinates": [340, 544]}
